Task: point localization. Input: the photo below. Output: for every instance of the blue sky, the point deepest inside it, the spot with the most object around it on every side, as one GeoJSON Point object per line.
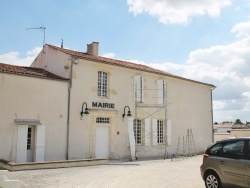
{"type": "Point", "coordinates": [206, 40]}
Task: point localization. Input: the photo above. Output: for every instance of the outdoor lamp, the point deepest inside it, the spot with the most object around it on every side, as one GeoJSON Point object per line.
{"type": "Point", "coordinates": [129, 112]}
{"type": "Point", "coordinates": [86, 111]}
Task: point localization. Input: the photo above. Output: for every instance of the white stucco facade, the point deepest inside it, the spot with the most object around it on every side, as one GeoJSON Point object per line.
{"type": "Point", "coordinates": [103, 133]}
{"type": "Point", "coordinates": [34, 102]}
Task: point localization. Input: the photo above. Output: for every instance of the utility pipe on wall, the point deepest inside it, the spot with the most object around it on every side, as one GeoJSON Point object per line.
{"type": "Point", "coordinates": [68, 112]}
{"type": "Point", "coordinates": [212, 112]}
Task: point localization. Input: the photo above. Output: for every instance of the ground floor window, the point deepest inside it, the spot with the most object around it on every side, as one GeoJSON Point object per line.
{"type": "Point", "coordinates": [159, 132]}
{"type": "Point", "coordinates": [137, 131]}
{"type": "Point", "coordinates": [29, 139]}
{"type": "Point", "coordinates": [102, 120]}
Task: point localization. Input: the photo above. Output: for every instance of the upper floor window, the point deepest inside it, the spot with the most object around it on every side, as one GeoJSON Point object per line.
{"type": "Point", "coordinates": [138, 88]}
{"type": "Point", "coordinates": [102, 84]}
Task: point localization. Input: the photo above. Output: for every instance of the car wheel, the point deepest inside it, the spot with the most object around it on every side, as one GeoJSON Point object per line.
{"type": "Point", "coordinates": [212, 180]}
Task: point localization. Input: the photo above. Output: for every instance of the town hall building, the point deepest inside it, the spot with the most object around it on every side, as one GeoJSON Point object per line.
{"type": "Point", "coordinates": [78, 105]}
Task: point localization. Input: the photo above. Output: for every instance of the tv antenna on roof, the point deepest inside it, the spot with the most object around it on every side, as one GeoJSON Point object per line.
{"type": "Point", "coordinates": [42, 28]}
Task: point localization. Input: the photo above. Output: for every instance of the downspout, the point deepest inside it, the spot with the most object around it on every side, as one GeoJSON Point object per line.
{"type": "Point", "coordinates": [212, 113]}
{"type": "Point", "coordinates": [68, 114]}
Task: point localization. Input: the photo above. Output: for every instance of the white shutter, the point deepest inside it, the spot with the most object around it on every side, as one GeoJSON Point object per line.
{"type": "Point", "coordinates": [138, 88]}
{"type": "Point", "coordinates": [160, 89]}
{"type": "Point", "coordinates": [40, 143]}
{"type": "Point", "coordinates": [21, 153]}
{"type": "Point", "coordinates": [169, 132]}
{"type": "Point", "coordinates": [131, 137]}
{"type": "Point", "coordinates": [154, 130]}
{"type": "Point", "coordinates": [142, 89]}
{"type": "Point", "coordinates": [147, 131]}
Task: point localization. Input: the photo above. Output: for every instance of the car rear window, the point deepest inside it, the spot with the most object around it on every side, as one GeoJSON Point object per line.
{"type": "Point", "coordinates": [215, 149]}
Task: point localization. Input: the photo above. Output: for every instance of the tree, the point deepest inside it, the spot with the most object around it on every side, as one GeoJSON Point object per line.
{"type": "Point", "coordinates": [238, 121]}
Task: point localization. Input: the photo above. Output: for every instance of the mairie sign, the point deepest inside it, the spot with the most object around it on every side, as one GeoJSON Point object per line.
{"type": "Point", "coordinates": [103, 105]}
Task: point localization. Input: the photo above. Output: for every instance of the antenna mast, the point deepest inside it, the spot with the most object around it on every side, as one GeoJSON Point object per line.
{"type": "Point", "coordinates": [42, 28]}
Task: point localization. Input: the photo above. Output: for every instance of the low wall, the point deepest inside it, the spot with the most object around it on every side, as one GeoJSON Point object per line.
{"type": "Point", "coordinates": [11, 166]}
{"type": "Point", "coordinates": [234, 133]}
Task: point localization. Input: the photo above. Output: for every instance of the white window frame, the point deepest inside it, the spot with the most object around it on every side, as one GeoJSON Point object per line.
{"type": "Point", "coordinates": [160, 131]}
{"type": "Point", "coordinates": [102, 85]}
{"type": "Point", "coordinates": [103, 120]}
{"type": "Point", "coordinates": [137, 127]}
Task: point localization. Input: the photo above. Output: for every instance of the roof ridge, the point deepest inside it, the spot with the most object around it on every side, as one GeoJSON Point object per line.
{"type": "Point", "coordinates": [122, 63]}
{"type": "Point", "coordinates": [62, 49]}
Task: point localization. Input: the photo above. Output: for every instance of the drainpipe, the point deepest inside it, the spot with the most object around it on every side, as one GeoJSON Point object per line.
{"type": "Point", "coordinates": [68, 115]}
{"type": "Point", "coordinates": [212, 112]}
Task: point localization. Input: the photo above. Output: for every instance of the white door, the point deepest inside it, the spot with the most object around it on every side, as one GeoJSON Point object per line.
{"type": "Point", "coordinates": [30, 144]}
{"type": "Point", "coordinates": [102, 142]}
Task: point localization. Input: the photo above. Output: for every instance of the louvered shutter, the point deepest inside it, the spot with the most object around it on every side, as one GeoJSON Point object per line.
{"type": "Point", "coordinates": [169, 135]}
{"type": "Point", "coordinates": [138, 88]}
{"type": "Point", "coordinates": [160, 89]}
{"type": "Point", "coordinates": [154, 131]}
{"type": "Point", "coordinates": [21, 152]}
{"type": "Point", "coordinates": [40, 143]}
{"type": "Point", "coordinates": [131, 137]}
{"type": "Point", "coordinates": [147, 131]}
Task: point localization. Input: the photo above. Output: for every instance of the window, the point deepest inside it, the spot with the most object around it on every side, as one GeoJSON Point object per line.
{"type": "Point", "coordinates": [215, 150]}
{"type": "Point", "coordinates": [233, 150]}
{"type": "Point", "coordinates": [137, 131]}
{"type": "Point", "coordinates": [102, 120]}
{"type": "Point", "coordinates": [159, 132]}
{"type": "Point", "coordinates": [102, 84]}
{"type": "Point", "coordinates": [29, 138]}
{"type": "Point", "coordinates": [138, 88]}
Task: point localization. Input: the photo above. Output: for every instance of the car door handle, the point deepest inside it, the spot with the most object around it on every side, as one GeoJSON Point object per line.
{"type": "Point", "coordinates": [222, 162]}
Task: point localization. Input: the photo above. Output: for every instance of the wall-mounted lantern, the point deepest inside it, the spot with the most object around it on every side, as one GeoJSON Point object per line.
{"type": "Point", "coordinates": [129, 112]}
{"type": "Point", "coordinates": [86, 111]}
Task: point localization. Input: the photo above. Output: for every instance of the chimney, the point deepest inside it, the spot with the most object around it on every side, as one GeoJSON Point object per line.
{"type": "Point", "coordinates": [92, 48]}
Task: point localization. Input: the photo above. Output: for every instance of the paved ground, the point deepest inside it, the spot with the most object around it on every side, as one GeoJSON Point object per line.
{"type": "Point", "coordinates": [150, 173]}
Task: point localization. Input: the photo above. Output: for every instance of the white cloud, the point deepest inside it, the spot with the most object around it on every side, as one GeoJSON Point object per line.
{"type": "Point", "coordinates": [241, 29]}
{"type": "Point", "coordinates": [14, 59]}
{"type": "Point", "coordinates": [177, 11]}
{"type": "Point", "coordinates": [137, 62]}
{"type": "Point", "coordinates": [109, 55]}
{"type": "Point", "coordinates": [225, 66]}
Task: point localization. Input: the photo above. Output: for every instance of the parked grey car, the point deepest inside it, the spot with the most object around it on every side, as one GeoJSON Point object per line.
{"type": "Point", "coordinates": [227, 164]}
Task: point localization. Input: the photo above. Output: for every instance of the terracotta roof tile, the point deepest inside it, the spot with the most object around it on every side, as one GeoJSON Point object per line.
{"type": "Point", "coordinates": [121, 63]}
{"type": "Point", "coordinates": [28, 71]}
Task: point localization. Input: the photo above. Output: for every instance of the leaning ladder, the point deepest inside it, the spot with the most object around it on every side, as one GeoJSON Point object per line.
{"type": "Point", "coordinates": [181, 148]}
{"type": "Point", "coordinates": [190, 145]}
